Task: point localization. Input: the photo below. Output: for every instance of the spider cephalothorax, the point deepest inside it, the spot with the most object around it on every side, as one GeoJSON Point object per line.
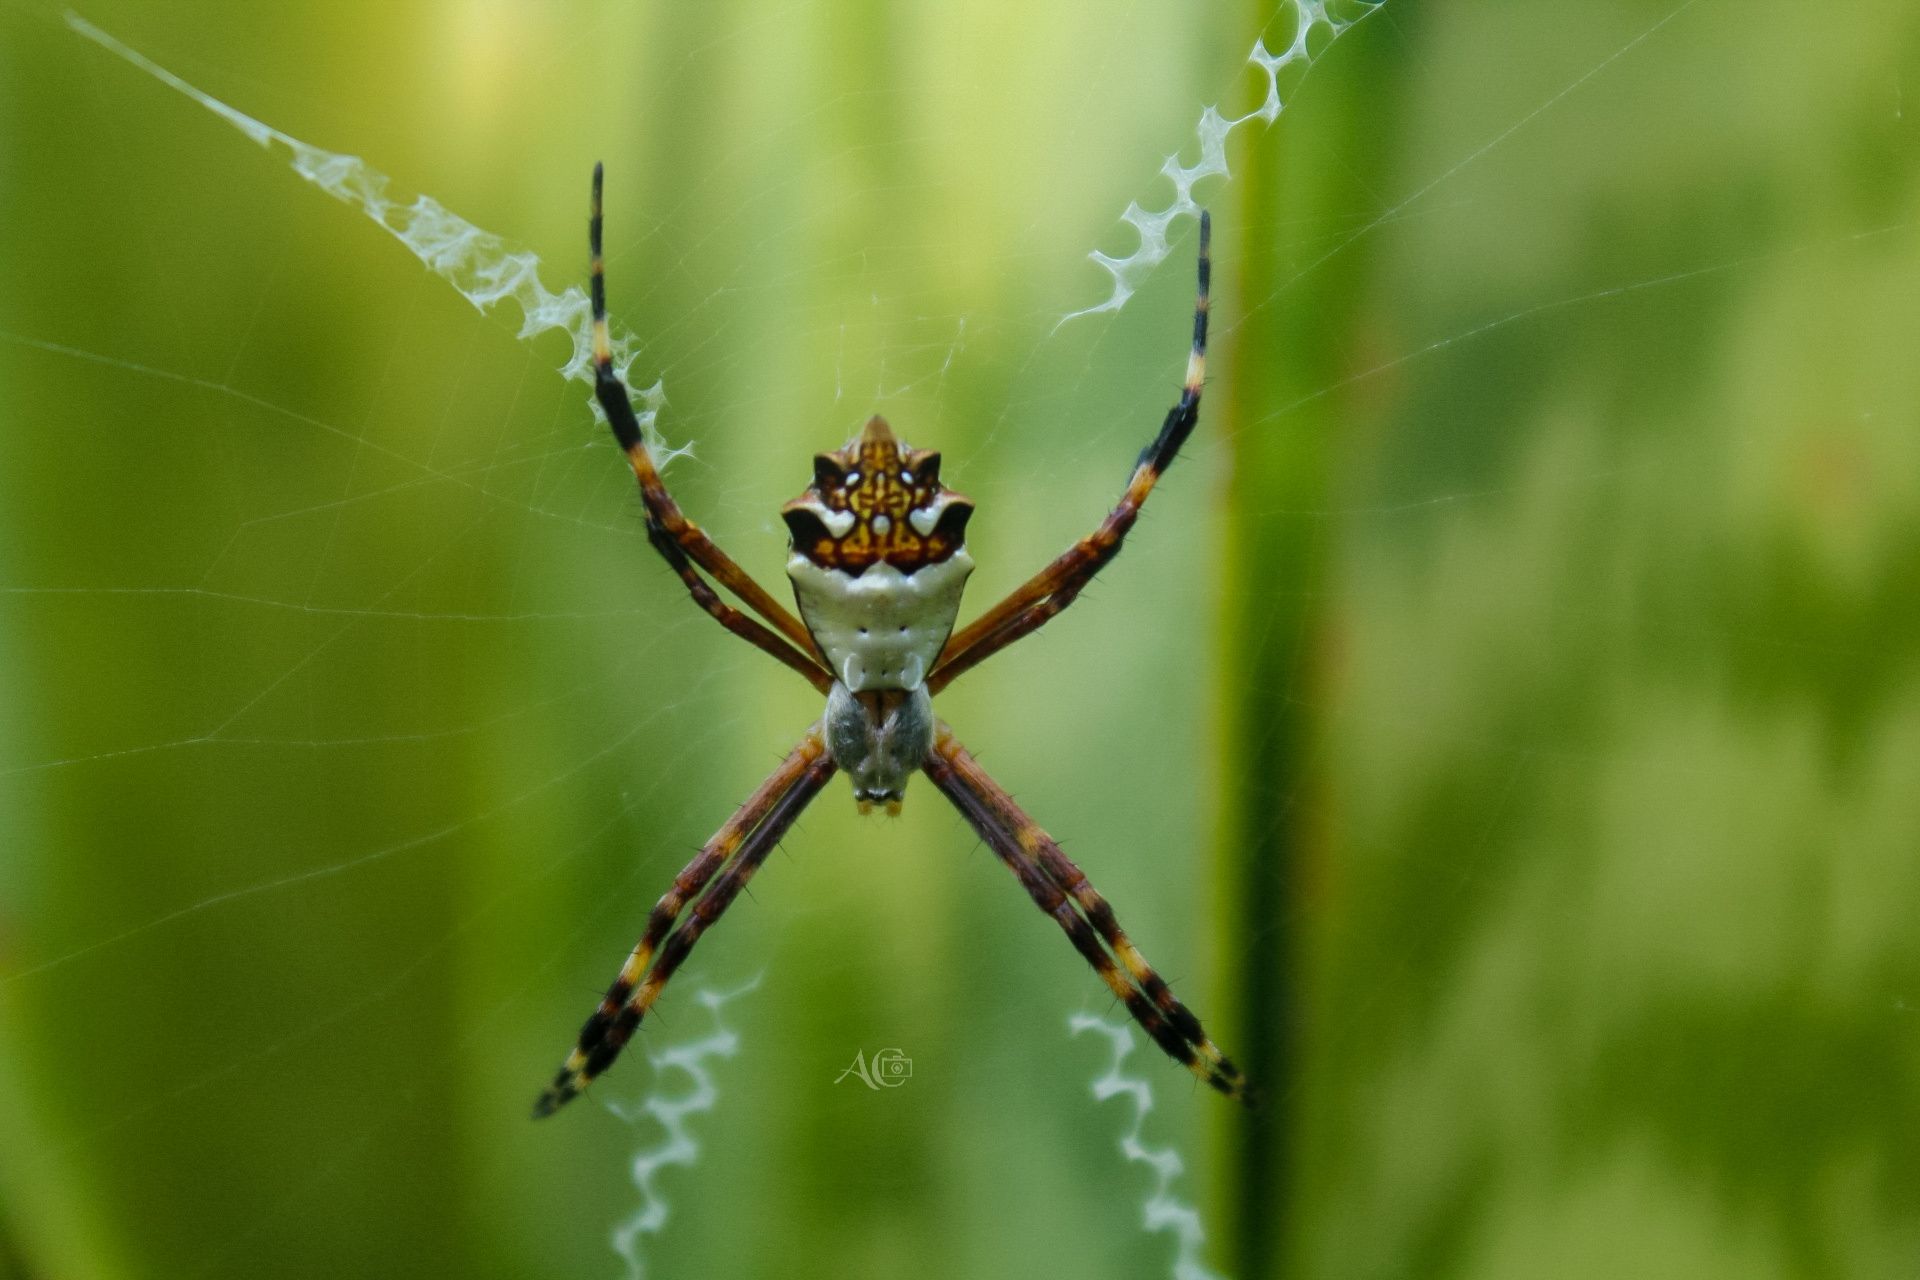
{"type": "Point", "coordinates": [878, 562]}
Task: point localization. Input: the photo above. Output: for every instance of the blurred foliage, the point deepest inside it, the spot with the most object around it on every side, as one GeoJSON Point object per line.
{"type": "Point", "coordinates": [1503, 727]}
{"type": "Point", "coordinates": [1601, 829]}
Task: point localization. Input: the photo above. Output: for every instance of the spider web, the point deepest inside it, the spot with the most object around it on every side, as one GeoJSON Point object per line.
{"type": "Point", "coordinates": [1498, 730]}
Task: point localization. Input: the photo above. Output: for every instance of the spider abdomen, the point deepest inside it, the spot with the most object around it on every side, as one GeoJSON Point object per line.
{"type": "Point", "coordinates": [880, 629]}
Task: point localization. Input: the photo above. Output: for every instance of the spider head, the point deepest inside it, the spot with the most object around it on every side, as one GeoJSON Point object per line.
{"type": "Point", "coordinates": [877, 500]}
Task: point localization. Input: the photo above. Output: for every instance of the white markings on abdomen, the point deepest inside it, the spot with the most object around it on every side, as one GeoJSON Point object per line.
{"type": "Point", "coordinates": [885, 628]}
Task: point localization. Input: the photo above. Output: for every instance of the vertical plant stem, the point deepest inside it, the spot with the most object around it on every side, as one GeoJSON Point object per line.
{"type": "Point", "coordinates": [1289, 334]}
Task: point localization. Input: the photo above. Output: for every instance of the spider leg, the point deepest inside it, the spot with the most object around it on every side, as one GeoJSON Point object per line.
{"type": "Point", "coordinates": [1058, 887]}
{"type": "Point", "coordinates": [682, 542]}
{"type": "Point", "coordinates": [1048, 592]}
{"type": "Point", "coordinates": [729, 617]}
{"type": "Point", "coordinates": [752, 832]}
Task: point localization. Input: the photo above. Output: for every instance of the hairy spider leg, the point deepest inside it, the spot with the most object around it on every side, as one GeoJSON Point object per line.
{"type": "Point", "coordinates": [753, 831]}
{"type": "Point", "coordinates": [1047, 593]}
{"type": "Point", "coordinates": [681, 542]}
{"type": "Point", "coordinates": [1057, 887]}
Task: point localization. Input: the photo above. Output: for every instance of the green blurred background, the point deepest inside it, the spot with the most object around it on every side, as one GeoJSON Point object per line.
{"type": "Point", "coordinates": [1505, 728]}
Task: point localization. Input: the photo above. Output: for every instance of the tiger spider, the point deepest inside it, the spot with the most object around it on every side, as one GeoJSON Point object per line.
{"type": "Point", "coordinates": [878, 562]}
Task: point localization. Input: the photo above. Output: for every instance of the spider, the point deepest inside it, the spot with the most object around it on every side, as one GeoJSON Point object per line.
{"type": "Point", "coordinates": [878, 561]}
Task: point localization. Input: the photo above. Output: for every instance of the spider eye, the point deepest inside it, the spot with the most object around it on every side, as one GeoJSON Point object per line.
{"type": "Point", "coordinates": [827, 472]}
